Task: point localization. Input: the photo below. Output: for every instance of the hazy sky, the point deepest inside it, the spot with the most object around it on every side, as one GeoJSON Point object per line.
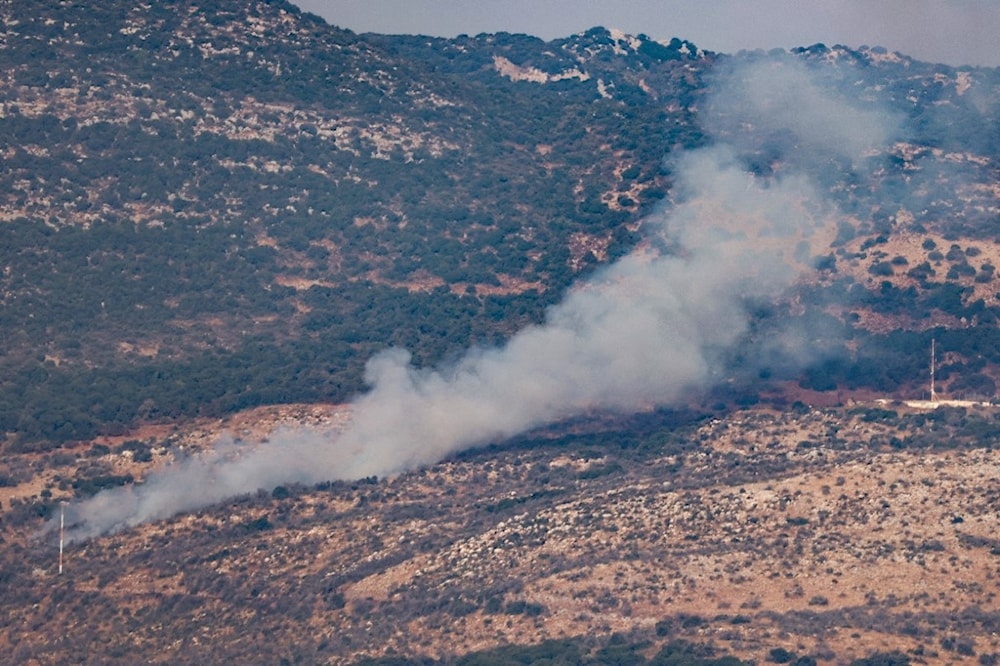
{"type": "Point", "coordinates": [956, 32]}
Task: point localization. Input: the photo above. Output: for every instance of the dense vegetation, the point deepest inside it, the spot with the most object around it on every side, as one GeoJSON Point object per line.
{"type": "Point", "coordinates": [228, 204]}
{"type": "Point", "coordinates": [154, 243]}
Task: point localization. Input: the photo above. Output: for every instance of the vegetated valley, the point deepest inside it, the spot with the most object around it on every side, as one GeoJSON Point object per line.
{"type": "Point", "coordinates": [213, 214]}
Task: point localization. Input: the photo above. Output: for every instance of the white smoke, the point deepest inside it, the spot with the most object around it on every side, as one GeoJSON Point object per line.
{"type": "Point", "coordinates": [797, 110]}
{"type": "Point", "coordinates": [647, 330]}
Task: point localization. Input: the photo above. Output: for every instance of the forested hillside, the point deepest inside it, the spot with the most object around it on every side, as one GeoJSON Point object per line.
{"type": "Point", "coordinates": [210, 206]}
{"type": "Point", "coordinates": [225, 204]}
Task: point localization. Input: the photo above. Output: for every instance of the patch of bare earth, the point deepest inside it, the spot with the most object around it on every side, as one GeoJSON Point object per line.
{"type": "Point", "coordinates": [910, 247]}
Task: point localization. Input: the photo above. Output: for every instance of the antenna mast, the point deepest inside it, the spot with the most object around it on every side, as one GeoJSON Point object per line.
{"type": "Point", "coordinates": [933, 362]}
{"type": "Point", "coordinates": [62, 525]}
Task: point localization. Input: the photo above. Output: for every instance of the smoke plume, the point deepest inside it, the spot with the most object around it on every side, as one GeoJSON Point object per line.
{"type": "Point", "coordinates": [647, 330]}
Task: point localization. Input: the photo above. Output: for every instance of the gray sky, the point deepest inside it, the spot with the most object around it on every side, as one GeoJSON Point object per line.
{"type": "Point", "coordinates": [956, 32]}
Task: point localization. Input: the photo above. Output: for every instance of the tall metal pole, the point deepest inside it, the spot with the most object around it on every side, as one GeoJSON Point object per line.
{"type": "Point", "coordinates": [62, 525]}
{"type": "Point", "coordinates": [933, 362]}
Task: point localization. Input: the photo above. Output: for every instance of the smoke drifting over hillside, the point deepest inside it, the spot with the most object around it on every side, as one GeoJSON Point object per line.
{"type": "Point", "coordinates": [647, 330]}
{"type": "Point", "coordinates": [795, 113]}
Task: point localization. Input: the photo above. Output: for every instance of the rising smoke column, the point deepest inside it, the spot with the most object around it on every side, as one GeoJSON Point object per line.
{"type": "Point", "coordinates": [647, 330]}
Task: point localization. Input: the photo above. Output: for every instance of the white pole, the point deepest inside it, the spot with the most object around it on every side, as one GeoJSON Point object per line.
{"type": "Point", "coordinates": [62, 524]}
{"type": "Point", "coordinates": [933, 362]}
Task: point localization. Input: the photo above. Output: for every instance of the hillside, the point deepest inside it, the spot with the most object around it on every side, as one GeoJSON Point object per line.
{"type": "Point", "coordinates": [491, 349]}
{"type": "Point", "coordinates": [222, 205]}
{"type": "Point", "coordinates": [231, 198]}
{"type": "Point", "coordinates": [833, 534]}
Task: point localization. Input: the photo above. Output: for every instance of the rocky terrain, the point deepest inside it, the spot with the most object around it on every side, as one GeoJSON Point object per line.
{"type": "Point", "coordinates": [832, 533]}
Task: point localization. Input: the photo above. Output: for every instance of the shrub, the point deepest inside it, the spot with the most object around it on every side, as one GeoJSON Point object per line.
{"type": "Point", "coordinates": [881, 268]}
{"type": "Point", "coordinates": [780, 655]}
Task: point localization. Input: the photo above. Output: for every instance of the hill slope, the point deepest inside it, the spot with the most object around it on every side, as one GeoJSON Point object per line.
{"type": "Point", "coordinates": [198, 192]}
{"type": "Point", "coordinates": [220, 206]}
{"type": "Point", "coordinates": [834, 534]}
{"type": "Point", "coordinates": [217, 205]}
